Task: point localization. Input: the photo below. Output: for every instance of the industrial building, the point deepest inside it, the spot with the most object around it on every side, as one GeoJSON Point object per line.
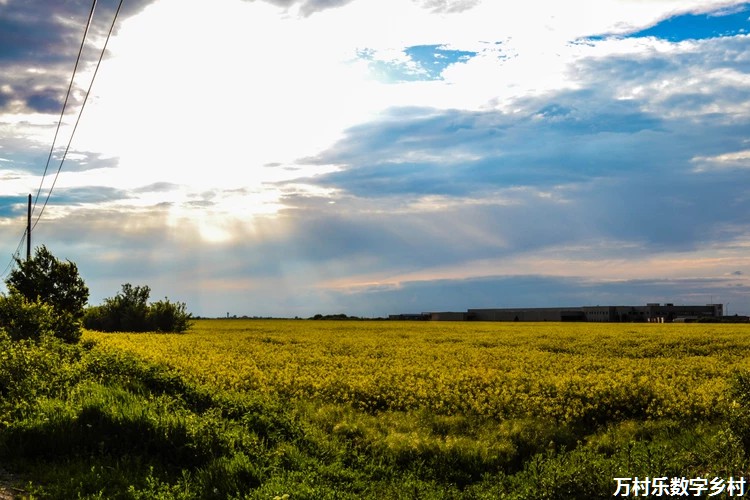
{"type": "Point", "coordinates": [652, 313]}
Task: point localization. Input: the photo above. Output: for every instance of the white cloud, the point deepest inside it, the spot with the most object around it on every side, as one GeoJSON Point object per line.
{"type": "Point", "coordinates": [206, 96]}
{"type": "Point", "coordinates": [734, 160]}
{"type": "Point", "coordinates": [536, 156]}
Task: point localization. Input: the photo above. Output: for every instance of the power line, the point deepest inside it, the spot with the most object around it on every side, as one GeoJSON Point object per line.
{"type": "Point", "coordinates": [67, 96]}
{"type": "Point", "coordinates": [14, 256]}
{"type": "Point", "coordinates": [80, 112]}
{"type": "Point", "coordinates": [57, 131]}
{"type": "Point", "coordinates": [26, 232]}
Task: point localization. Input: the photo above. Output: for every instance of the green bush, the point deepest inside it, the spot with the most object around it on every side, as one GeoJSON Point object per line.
{"type": "Point", "coordinates": [739, 410]}
{"type": "Point", "coordinates": [24, 319]}
{"type": "Point", "coordinates": [45, 281]}
{"type": "Point", "coordinates": [166, 316]}
{"type": "Point", "coordinates": [98, 318]}
{"type": "Point", "coordinates": [129, 311]}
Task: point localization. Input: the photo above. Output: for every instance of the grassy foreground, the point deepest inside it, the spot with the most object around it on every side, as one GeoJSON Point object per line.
{"type": "Point", "coordinates": [318, 409]}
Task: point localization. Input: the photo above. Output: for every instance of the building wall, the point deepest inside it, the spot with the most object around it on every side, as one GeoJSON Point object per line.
{"type": "Point", "coordinates": [448, 316]}
{"type": "Point", "coordinates": [528, 314]}
{"type": "Point", "coordinates": [670, 312]}
{"type": "Point", "coordinates": [601, 314]}
{"type": "Point", "coordinates": [409, 317]}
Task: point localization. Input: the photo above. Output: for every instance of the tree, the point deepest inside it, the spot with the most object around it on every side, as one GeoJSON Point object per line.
{"type": "Point", "coordinates": [48, 280]}
{"type": "Point", "coordinates": [166, 316]}
{"type": "Point", "coordinates": [129, 311]}
{"type": "Point", "coordinates": [130, 308]}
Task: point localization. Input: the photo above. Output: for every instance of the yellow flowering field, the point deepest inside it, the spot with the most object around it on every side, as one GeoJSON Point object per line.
{"type": "Point", "coordinates": [571, 372]}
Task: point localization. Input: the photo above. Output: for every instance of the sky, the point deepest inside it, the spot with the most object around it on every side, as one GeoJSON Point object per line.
{"type": "Point", "coordinates": [374, 157]}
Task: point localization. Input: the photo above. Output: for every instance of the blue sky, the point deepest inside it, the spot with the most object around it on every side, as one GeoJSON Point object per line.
{"type": "Point", "coordinates": [730, 21]}
{"type": "Point", "coordinates": [373, 157]}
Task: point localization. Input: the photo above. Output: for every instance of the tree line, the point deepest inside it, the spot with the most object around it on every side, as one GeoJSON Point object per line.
{"type": "Point", "coordinates": [48, 298]}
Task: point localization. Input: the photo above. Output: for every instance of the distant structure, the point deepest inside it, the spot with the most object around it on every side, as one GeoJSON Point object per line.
{"type": "Point", "coordinates": [650, 313]}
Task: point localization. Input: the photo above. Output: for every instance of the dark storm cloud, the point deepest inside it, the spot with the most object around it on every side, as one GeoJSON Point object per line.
{"type": "Point", "coordinates": [45, 101]}
{"type": "Point", "coordinates": [27, 37]}
{"type": "Point", "coordinates": [649, 213]}
{"type": "Point", "coordinates": [46, 31]}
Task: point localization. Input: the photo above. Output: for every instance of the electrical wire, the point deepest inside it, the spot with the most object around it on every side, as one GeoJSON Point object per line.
{"type": "Point", "coordinates": [14, 256]}
{"type": "Point", "coordinates": [57, 131]}
{"type": "Point", "coordinates": [80, 113]}
{"type": "Point", "coordinates": [65, 103]}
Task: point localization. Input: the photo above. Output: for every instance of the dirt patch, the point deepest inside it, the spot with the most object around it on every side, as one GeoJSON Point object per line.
{"type": "Point", "coordinates": [9, 489]}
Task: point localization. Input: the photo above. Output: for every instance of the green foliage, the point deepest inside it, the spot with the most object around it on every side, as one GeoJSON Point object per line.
{"type": "Point", "coordinates": [30, 370]}
{"type": "Point", "coordinates": [49, 281]}
{"type": "Point", "coordinates": [92, 421]}
{"type": "Point", "coordinates": [125, 312]}
{"type": "Point", "coordinates": [98, 318]}
{"type": "Point", "coordinates": [166, 316]}
{"type": "Point", "coordinates": [25, 319]}
{"type": "Point", "coordinates": [54, 282]}
{"type": "Point", "coordinates": [129, 311]}
{"type": "Point", "coordinates": [739, 417]}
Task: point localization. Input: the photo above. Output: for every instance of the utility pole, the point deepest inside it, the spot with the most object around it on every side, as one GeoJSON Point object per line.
{"type": "Point", "coordinates": [28, 232]}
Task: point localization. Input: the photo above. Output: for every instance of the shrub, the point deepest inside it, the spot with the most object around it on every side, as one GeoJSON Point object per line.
{"type": "Point", "coordinates": [44, 281]}
{"type": "Point", "coordinates": [166, 316]}
{"type": "Point", "coordinates": [129, 311]}
{"type": "Point", "coordinates": [24, 319]}
{"type": "Point", "coordinates": [97, 318]}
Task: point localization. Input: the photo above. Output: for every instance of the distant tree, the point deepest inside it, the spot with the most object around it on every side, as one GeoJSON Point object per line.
{"type": "Point", "coordinates": [46, 279]}
{"type": "Point", "coordinates": [340, 316]}
{"type": "Point", "coordinates": [130, 307]}
{"type": "Point", "coordinates": [166, 316]}
{"type": "Point", "coordinates": [129, 311]}
{"type": "Point", "coordinates": [97, 318]}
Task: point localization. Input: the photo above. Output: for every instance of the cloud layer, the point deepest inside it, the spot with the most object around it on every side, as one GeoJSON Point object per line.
{"type": "Point", "coordinates": [456, 155]}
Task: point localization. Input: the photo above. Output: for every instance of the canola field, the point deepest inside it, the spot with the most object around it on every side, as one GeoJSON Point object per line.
{"type": "Point", "coordinates": [444, 410]}
{"type": "Point", "coordinates": [574, 373]}
{"type": "Point", "coordinates": [302, 409]}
